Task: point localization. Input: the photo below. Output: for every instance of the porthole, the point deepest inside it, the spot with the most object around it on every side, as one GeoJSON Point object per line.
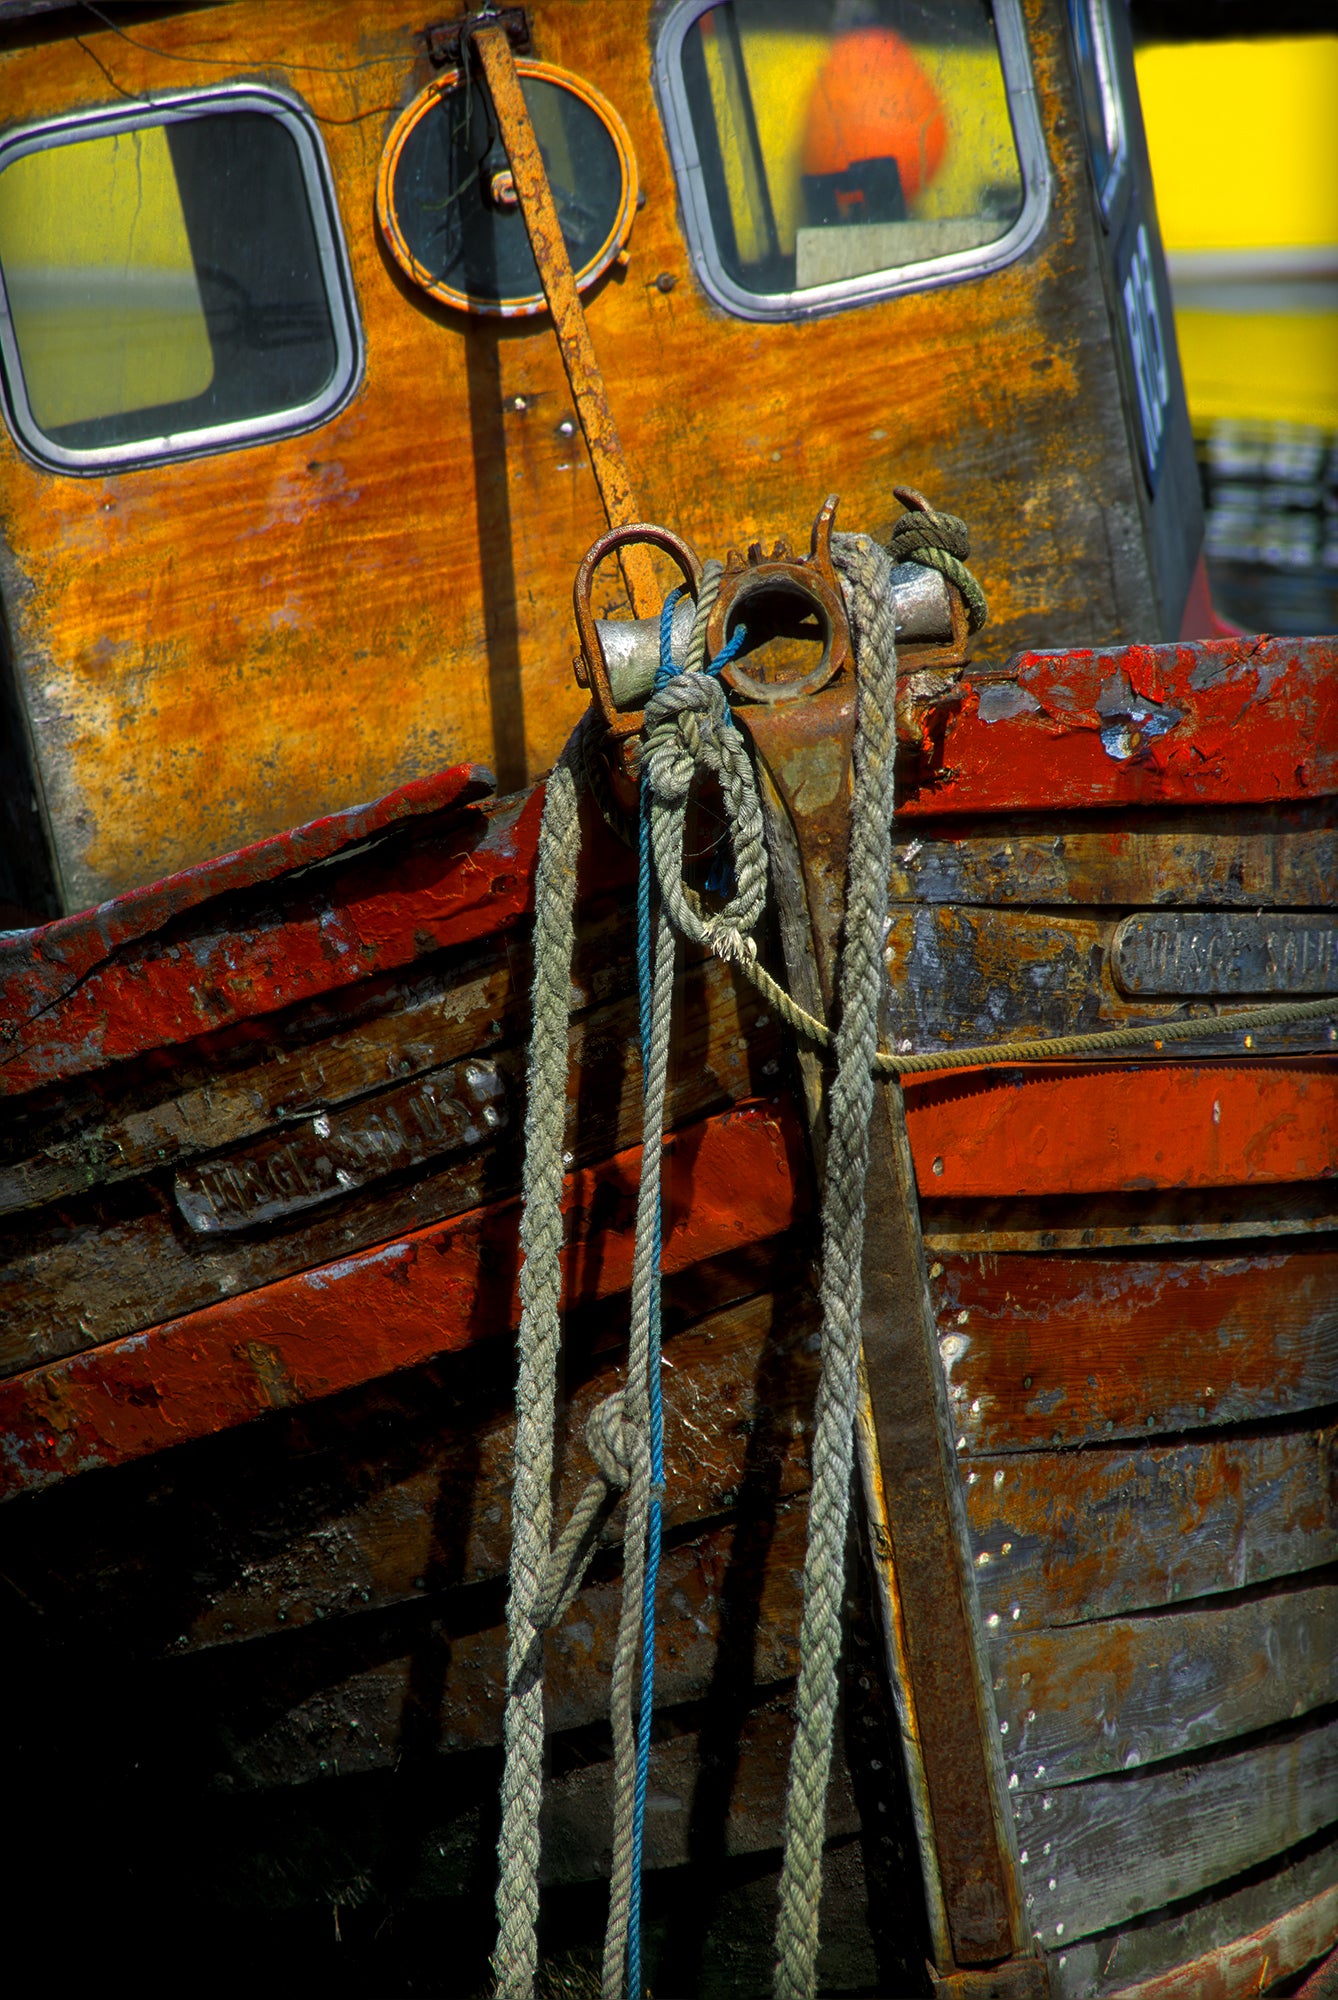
{"type": "Point", "coordinates": [449, 213]}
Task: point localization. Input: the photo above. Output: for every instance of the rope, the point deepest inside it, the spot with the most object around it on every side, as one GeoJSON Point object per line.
{"type": "Point", "coordinates": [688, 727]}
{"type": "Point", "coordinates": [670, 725]}
{"type": "Point", "coordinates": [864, 567]}
{"type": "Point", "coordinates": [941, 542]}
{"type": "Point", "coordinates": [531, 1581]}
{"type": "Point", "coordinates": [1053, 1048]}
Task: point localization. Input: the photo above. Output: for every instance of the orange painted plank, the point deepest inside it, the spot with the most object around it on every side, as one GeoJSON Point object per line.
{"type": "Point", "coordinates": [1094, 1128]}
{"type": "Point", "coordinates": [737, 1179]}
{"type": "Point", "coordinates": [1070, 1349]}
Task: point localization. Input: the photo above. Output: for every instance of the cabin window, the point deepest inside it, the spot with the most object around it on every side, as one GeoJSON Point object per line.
{"type": "Point", "coordinates": [1103, 113]}
{"type": "Point", "coordinates": [173, 281]}
{"type": "Point", "coordinates": [830, 151]}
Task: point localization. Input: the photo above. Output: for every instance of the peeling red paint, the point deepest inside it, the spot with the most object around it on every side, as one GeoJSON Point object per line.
{"type": "Point", "coordinates": [1232, 721]}
{"type": "Point", "coordinates": [734, 1180]}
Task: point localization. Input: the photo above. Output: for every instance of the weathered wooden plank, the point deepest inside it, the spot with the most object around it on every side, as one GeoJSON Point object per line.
{"type": "Point", "coordinates": [578, 1815]}
{"type": "Point", "coordinates": [1057, 1129]}
{"type": "Point", "coordinates": [99, 1269]}
{"type": "Point", "coordinates": [341, 1696]}
{"type": "Point", "coordinates": [1231, 721]}
{"type": "Point", "coordinates": [1063, 1536]}
{"type": "Point", "coordinates": [353, 524]}
{"type": "Point", "coordinates": [733, 1181]}
{"type": "Point", "coordinates": [39, 968]}
{"type": "Point", "coordinates": [1104, 1852]}
{"type": "Point", "coordinates": [1258, 1917]}
{"type": "Point", "coordinates": [1088, 1700]}
{"type": "Point", "coordinates": [958, 976]}
{"type": "Point", "coordinates": [1129, 1221]}
{"type": "Point", "coordinates": [1277, 1952]}
{"type": "Point", "coordinates": [1247, 858]}
{"type": "Point", "coordinates": [1267, 1907]}
{"type": "Point", "coordinates": [241, 956]}
{"type": "Point", "coordinates": [414, 1493]}
{"type": "Point", "coordinates": [1064, 1349]}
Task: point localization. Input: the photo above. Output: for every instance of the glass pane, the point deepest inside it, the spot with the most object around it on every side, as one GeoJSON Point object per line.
{"type": "Point", "coordinates": [1100, 96]}
{"type": "Point", "coordinates": [842, 138]}
{"type": "Point", "coordinates": [457, 231]}
{"type": "Point", "coordinates": [165, 279]}
{"type": "Point", "coordinates": [101, 280]}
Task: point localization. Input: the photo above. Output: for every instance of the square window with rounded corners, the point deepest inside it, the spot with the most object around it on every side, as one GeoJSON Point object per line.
{"type": "Point", "coordinates": [831, 152]}
{"type": "Point", "coordinates": [173, 280]}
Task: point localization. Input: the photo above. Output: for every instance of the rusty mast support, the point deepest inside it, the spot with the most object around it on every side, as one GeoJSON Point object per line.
{"type": "Point", "coordinates": [535, 198]}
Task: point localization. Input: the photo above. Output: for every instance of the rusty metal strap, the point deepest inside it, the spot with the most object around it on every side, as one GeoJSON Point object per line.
{"type": "Point", "coordinates": [539, 211]}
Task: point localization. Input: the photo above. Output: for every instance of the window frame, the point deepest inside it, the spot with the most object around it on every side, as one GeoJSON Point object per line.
{"type": "Point", "coordinates": [1105, 64]}
{"type": "Point", "coordinates": [336, 273]}
{"type": "Point", "coordinates": [954, 267]}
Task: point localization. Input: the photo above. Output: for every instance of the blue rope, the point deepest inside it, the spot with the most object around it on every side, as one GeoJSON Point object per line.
{"type": "Point", "coordinates": [645, 987]}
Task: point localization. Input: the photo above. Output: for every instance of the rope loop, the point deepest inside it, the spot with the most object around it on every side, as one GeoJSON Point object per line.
{"type": "Point", "coordinates": [689, 730]}
{"type": "Point", "coordinates": [608, 1435]}
{"type": "Point", "coordinates": [942, 542]}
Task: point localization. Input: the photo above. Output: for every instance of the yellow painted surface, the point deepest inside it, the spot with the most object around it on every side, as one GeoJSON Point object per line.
{"type": "Point", "coordinates": [101, 280]}
{"type": "Point", "coordinates": [1276, 367]}
{"type": "Point", "coordinates": [1244, 141]}
{"type": "Point", "coordinates": [1243, 138]}
{"type": "Point", "coordinates": [213, 650]}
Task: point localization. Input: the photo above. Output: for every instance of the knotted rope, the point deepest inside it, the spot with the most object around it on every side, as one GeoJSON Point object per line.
{"type": "Point", "coordinates": [941, 542]}
{"type": "Point", "coordinates": [689, 730]}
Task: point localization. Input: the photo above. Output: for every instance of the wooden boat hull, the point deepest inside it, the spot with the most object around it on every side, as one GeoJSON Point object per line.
{"type": "Point", "coordinates": [260, 1268]}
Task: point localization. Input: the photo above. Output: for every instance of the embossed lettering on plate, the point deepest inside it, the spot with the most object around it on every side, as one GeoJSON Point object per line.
{"type": "Point", "coordinates": [1217, 953]}
{"type": "Point", "coordinates": [333, 1152]}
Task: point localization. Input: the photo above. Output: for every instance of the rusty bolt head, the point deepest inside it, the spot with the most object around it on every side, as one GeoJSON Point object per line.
{"type": "Point", "coordinates": [665, 282]}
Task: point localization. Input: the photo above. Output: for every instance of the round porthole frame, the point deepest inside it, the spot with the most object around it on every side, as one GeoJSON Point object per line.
{"type": "Point", "coordinates": [429, 100]}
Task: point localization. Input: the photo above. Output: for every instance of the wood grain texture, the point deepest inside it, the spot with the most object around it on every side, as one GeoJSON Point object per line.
{"type": "Point", "coordinates": [1063, 1536]}
{"type": "Point", "coordinates": [1209, 1927]}
{"type": "Point", "coordinates": [730, 1182]}
{"type": "Point", "coordinates": [108, 1263]}
{"type": "Point", "coordinates": [1104, 1852]}
{"type": "Point", "coordinates": [1278, 1951]}
{"type": "Point", "coordinates": [339, 1698]}
{"type": "Point", "coordinates": [193, 640]}
{"type": "Point", "coordinates": [960, 975]}
{"type": "Point", "coordinates": [1055, 1349]}
{"type": "Point", "coordinates": [1129, 1221]}
{"type": "Point", "coordinates": [1245, 858]}
{"type": "Point", "coordinates": [1119, 1693]}
{"type": "Point", "coordinates": [364, 1508]}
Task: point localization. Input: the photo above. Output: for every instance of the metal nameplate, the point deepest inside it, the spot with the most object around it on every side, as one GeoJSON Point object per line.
{"type": "Point", "coordinates": [1217, 953]}
{"type": "Point", "coordinates": [332, 1153]}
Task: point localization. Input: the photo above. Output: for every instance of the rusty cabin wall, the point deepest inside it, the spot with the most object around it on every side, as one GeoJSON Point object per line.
{"type": "Point", "coordinates": [207, 651]}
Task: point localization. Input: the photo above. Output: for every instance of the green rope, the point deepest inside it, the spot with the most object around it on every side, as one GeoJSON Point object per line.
{"type": "Point", "coordinates": [941, 542]}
